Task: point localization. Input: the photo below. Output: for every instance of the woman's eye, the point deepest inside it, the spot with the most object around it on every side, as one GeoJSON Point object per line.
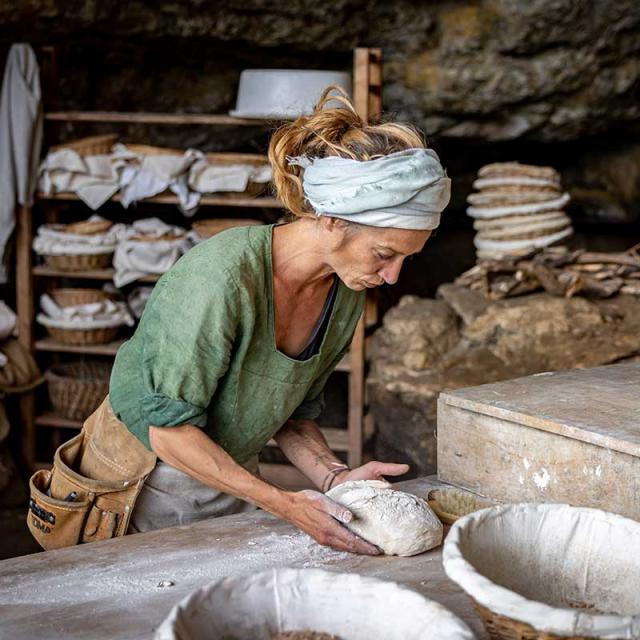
{"type": "Point", "coordinates": [383, 256]}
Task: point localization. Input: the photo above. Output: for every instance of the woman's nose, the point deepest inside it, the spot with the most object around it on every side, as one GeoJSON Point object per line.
{"type": "Point", "coordinates": [391, 272]}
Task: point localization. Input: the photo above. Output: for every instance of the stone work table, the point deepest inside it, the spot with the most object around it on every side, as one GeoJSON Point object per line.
{"type": "Point", "coordinates": [111, 589]}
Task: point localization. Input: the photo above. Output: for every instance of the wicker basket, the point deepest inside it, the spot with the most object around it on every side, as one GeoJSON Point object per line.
{"type": "Point", "coordinates": [503, 628]}
{"type": "Point", "coordinates": [89, 227]}
{"type": "Point", "coordinates": [211, 226]}
{"type": "Point", "coordinates": [451, 504]}
{"type": "Point", "coordinates": [76, 389]}
{"type": "Point", "coordinates": [548, 571]}
{"type": "Point", "coordinates": [165, 237]}
{"type": "Point", "coordinates": [83, 336]}
{"type": "Point", "coordinates": [79, 261]}
{"type": "Point", "coordinates": [91, 146]}
{"type": "Point", "coordinates": [70, 296]}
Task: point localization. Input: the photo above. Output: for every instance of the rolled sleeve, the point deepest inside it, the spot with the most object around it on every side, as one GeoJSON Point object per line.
{"type": "Point", "coordinates": [162, 411]}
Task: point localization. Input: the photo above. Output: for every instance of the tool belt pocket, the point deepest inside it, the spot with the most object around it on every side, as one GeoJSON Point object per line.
{"type": "Point", "coordinates": [67, 508]}
{"type": "Point", "coordinates": [54, 523]}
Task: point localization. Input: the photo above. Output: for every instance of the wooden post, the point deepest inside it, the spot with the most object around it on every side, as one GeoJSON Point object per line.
{"type": "Point", "coordinates": [367, 99]}
{"type": "Point", "coordinates": [356, 395]}
{"type": "Point", "coordinates": [25, 311]}
{"type": "Point", "coordinates": [367, 83]}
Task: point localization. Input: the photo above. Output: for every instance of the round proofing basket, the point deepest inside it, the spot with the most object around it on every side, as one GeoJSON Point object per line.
{"type": "Point", "coordinates": [91, 146]}
{"type": "Point", "coordinates": [539, 571]}
{"type": "Point", "coordinates": [451, 504]}
{"type": "Point", "coordinates": [89, 227]}
{"type": "Point", "coordinates": [77, 388]}
{"type": "Point", "coordinates": [83, 336]}
{"type": "Point", "coordinates": [71, 296]}
{"type": "Point", "coordinates": [79, 262]}
{"type": "Point", "coordinates": [349, 606]}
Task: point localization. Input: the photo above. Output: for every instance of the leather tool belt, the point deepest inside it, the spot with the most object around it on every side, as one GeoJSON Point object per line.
{"type": "Point", "coordinates": [90, 492]}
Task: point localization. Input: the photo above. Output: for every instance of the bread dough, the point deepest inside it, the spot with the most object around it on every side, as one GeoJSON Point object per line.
{"type": "Point", "coordinates": [399, 523]}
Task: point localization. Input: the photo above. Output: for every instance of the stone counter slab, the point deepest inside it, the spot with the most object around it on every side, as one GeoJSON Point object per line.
{"type": "Point", "coordinates": [569, 436]}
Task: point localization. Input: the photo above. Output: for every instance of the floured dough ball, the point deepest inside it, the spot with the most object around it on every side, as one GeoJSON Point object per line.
{"type": "Point", "coordinates": [399, 523]}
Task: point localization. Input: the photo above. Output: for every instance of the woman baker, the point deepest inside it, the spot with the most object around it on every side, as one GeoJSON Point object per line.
{"type": "Point", "coordinates": [238, 339]}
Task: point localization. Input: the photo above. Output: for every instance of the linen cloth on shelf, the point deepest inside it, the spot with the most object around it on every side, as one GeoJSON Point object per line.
{"type": "Point", "coordinates": [93, 315]}
{"type": "Point", "coordinates": [54, 241]}
{"type": "Point", "coordinates": [96, 178]}
{"type": "Point", "coordinates": [7, 321]}
{"type": "Point", "coordinates": [134, 259]}
{"type": "Point", "coordinates": [93, 178]}
{"type": "Point", "coordinates": [153, 174]}
{"type": "Point", "coordinates": [205, 177]}
{"type": "Point", "coordinates": [21, 136]}
{"type": "Point", "coordinates": [7, 327]}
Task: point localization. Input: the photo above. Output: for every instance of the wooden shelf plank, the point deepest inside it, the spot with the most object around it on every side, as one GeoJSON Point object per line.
{"type": "Point", "coordinates": [89, 274]}
{"type": "Point", "coordinates": [146, 117]}
{"type": "Point", "coordinates": [222, 199]}
{"type": "Point", "coordinates": [53, 420]}
{"type": "Point", "coordinates": [108, 349]}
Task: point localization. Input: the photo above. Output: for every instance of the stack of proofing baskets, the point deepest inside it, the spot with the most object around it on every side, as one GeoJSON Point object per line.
{"type": "Point", "coordinates": [517, 208]}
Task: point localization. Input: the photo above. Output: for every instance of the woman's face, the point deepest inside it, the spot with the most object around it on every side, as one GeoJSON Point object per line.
{"type": "Point", "coordinates": [366, 257]}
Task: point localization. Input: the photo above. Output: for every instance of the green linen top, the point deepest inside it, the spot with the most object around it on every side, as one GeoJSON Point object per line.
{"type": "Point", "coordinates": [204, 352]}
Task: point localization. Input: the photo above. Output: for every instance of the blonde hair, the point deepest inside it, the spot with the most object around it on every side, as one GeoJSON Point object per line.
{"type": "Point", "coordinates": [331, 131]}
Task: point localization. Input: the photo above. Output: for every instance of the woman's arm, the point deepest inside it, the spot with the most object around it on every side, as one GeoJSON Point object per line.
{"type": "Point", "coordinates": [303, 444]}
{"type": "Point", "coordinates": [190, 450]}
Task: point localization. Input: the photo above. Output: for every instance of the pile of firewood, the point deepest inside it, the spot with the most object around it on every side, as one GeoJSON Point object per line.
{"type": "Point", "coordinates": [559, 271]}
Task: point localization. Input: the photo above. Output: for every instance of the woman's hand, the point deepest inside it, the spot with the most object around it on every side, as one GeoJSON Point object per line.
{"type": "Point", "coordinates": [372, 471]}
{"type": "Point", "coordinates": [320, 517]}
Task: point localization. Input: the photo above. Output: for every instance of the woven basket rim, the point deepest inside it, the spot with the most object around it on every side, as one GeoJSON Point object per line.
{"type": "Point", "coordinates": [106, 141]}
{"type": "Point", "coordinates": [56, 371]}
{"type": "Point", "coordinates": [485, 591]}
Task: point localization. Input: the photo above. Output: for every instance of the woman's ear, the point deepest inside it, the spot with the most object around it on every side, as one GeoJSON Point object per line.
{"type": "Point", "coordinates": [334, 224]}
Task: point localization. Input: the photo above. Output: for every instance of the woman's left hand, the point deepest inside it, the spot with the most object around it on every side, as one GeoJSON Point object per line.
{"type": "Point", "coordinates": [372, 471]}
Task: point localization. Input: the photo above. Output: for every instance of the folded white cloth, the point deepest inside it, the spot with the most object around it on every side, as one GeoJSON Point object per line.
{"type": "Point", "coordinates": [150, 175]}
{"type": "Point", "coordinates": [7, 321]}
{"type": "Point", "coordinates": [207, 178]}
{"type": "Point", "coordinates": [94, 178]}
{"type": "Point", "coordinates": [95, 315]}
{"type": "Point", "coordinates": [21, 136]}
{"type": "Point", "coordinates": [52, 240]}
{"type": "Point", "coordinates": [134, 258]}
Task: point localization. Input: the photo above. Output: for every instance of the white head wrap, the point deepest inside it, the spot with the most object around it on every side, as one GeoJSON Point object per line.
{"type": "Point", "coordinates": [406, 189]}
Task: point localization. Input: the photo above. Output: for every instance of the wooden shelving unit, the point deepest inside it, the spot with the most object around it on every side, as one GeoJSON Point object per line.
{"type": "Point", "coordinates": [367, 83]}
